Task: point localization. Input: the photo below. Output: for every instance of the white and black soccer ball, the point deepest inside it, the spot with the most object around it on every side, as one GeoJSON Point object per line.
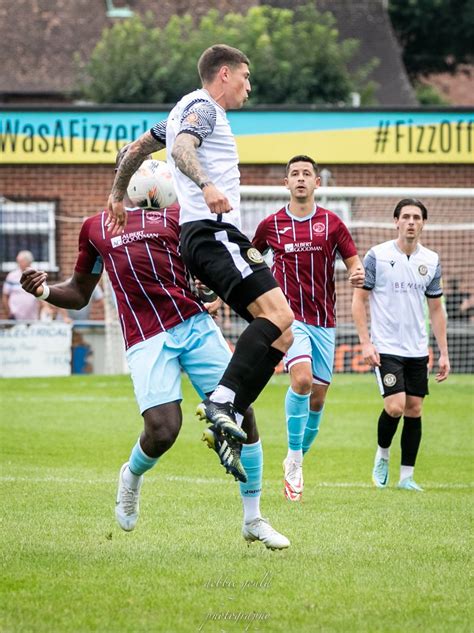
{"type": "Point", "coordinates": [151, 186]}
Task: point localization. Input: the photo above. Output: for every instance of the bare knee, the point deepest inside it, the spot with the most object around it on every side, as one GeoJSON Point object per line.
{"type": "Point", "coordinates": [317, 403]}
{"type": "Point", "coordinates": [272, 305]}
{"type": "Point", "coordinates": [301, 385]}
{"type": "Point", "coordinates": [395, 410]}
{"type": "Point", "coordinates": [318, 397]}
{"type": "Point", "coordinates": [413, 412]}
{"type": "Point", "coordinates": [162, 426]}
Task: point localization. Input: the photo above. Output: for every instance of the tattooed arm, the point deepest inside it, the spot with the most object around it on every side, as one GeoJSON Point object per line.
{"type": "Point", "coordinates": [137, 152]}
{"type": "Point", "coordinates": [187, 161]}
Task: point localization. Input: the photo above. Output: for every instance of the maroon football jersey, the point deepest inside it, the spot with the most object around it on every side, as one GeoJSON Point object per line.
{"type": "Point", "coordinates": [145, 269]}
{"type": "Point", "coordinates": [304, 259]}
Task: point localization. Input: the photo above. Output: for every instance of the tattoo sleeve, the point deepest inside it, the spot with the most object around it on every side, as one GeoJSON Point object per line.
{"type": "Point", "coordinates": [145, 145]}
{"type": "Point", "coordinates": [186, 159]}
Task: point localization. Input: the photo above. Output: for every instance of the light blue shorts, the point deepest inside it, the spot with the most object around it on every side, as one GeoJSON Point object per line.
{"type": "Point", "coordinates": [315, 345]}
{"type": "Point", "coordinates": [196, 346]}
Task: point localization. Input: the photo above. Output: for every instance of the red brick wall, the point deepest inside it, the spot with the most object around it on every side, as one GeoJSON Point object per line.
{"type": "Point", "coordinates": [372, 175]}
{"type": "Point", "coordinates": [82, 190]}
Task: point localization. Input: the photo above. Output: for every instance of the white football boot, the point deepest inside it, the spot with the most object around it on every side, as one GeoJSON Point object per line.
{"type": "Point", "coordinates": [293, 479]}
{"type": "Point", "coordinates": [380, 472]}
{"type": "Point", "coordinates": [127, 503]}
{"type": "Point", "coordinates": [260, 530]}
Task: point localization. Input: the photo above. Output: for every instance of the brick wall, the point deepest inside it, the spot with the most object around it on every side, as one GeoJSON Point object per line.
{"type": "Point", "coordinates": [372, 175]}
{"type": "Point", "coordinates": [82, 190]}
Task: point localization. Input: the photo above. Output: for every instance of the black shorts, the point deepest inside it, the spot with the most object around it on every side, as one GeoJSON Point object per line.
{"type": "Point", "coordinates": [223, 258]}
{"type": "Point", "coordinates": [398, 374]}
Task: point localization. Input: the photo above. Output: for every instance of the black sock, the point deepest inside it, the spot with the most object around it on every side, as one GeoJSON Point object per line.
{"type": "Point", "coordinates": [251, 348]}
{"type": "Point", "coordinates": [410, 440]}
{"type": "Point", "coordinates": [255, 381]}
{"type": "Point", "coordinates": [387, 427]}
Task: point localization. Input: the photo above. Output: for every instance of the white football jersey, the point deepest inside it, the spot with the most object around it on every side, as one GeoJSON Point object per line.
{"type": "Point", "coordinates": [399, 285]}
{"type": "Point", "coordinates": [198, 114]}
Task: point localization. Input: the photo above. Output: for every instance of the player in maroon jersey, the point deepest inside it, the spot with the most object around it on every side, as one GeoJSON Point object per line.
{"type": "Point", "coordinates": [305, 239]}
{"type": "Point", "coordinates": [166, 328]}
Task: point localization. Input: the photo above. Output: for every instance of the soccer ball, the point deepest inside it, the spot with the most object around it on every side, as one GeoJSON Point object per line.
{"type": "Point", "coordinates": [151, 186]}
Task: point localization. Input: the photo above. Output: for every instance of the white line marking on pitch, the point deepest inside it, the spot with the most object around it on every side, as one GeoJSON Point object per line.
{"type": "Point", "coordinates": [209, 480]}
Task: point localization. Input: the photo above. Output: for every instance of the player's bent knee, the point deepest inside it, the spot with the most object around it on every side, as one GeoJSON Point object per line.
{"type": "Point", "coordinates": [413, 412]}
{"type": "Point", "coordinates": [301, 384]}
{"type": "Point", "coordinates": [162, 424]}
{"type": "Point", "coordinates": [395, 410]}
{"type": "Point", "coordinates": [317, 405]}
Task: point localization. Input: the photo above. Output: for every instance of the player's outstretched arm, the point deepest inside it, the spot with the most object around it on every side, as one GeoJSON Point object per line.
{"type": "Point", "coordinates": [137, 152]}
{"type": "Point", "coordinates": [438, 323]}
{"type": "Point", "coordinates": [359, 314]}
{"type": "Point", "coordinates": [186, 159]}
{"type": "Point", "coordinates": [73, 294]}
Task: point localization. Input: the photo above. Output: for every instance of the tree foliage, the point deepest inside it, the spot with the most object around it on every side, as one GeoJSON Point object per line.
{"type": "Point", "coordinates": [436, 35]}
{"type": "Point", "coordinates": [296, 57]}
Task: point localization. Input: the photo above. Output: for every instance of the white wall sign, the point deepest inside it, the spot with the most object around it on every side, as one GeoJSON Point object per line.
{"type": "Point", "coordinates": [39, 349]}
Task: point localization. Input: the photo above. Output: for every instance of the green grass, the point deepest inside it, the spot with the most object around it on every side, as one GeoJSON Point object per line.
{"type": "Point", "coordinates": [361, 559]}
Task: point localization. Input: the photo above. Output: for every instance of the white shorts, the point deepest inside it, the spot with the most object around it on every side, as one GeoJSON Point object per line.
{"type": "Point", "coordinates": [195, 346]}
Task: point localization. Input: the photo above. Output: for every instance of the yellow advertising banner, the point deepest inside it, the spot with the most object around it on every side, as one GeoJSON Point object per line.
{"type": "Point", "coordinates": [263, 136]}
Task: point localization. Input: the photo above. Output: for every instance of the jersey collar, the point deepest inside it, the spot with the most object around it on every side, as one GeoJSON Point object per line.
{"type": "Point", "coordinates": [297, 218]}
{"type": "Point", "coordinates": [403, 252]}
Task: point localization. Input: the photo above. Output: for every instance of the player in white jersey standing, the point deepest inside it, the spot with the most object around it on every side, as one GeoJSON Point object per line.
{"type": "Point", "coordinates": [203, 158]}
{"type": "Point", "coordinates": [305, 239]}
{"type": "Point", "coordinates": [400, 275]}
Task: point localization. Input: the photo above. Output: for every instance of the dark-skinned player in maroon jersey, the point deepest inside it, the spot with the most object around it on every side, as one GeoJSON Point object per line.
{"type": "Point", "coordinates": [166, 329]}
{"type": "Point", "coordinates": [305, 239]}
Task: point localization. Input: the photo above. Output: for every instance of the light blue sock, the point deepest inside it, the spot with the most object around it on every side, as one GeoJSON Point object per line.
{"type": "Point", "coordinates": [252, 461]}
{"type": "Point", "coordinates": [297, 409]}
{"type": "Point", "coordinates": [139, 463]}
{"type": "Point", "coordinates": [312, 429]}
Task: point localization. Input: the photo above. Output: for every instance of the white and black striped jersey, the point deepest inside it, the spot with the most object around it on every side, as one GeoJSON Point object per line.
{"type": "Point", "coordinates": [198, 114]}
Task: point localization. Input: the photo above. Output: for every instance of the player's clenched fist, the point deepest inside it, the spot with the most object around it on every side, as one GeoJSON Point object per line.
{"type": "Point", "coordinates": [32, 281]}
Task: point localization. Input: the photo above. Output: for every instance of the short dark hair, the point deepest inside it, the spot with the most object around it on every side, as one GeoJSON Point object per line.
{"type": "Point", "coordinates": [217, 56]}
{"type": "Point", "coordinates": [302, 158]}
{"type": "Point", "coordinates": [410, 202]}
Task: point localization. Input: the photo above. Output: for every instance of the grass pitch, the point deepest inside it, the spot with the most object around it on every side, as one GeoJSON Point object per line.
{"type": "Point", "coordinates": [361, 559]}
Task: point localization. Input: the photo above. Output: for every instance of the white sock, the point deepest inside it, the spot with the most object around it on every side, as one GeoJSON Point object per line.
{"type": "Point", "coordinates": [382, 453]}
{"type": "Point", "coordinates": [251, 508]}
{"type": "Point", "coordinates": [406, 471]}
{"type": "Point", "coordinates": [222, 394]}
{"type": "Point", "coordinates": [295, 456]}
{"type": "Point", "coordinates": [130, 479]}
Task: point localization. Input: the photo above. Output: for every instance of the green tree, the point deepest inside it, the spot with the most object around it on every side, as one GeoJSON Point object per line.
{"type": "Point", "coordinates": [436, 35]}
{"type": "Point", "coordinates": [429, 96]}
{"type": "Point", "coordinates": [296, 57]}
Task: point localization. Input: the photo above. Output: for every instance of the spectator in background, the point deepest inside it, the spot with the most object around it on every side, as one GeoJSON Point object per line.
{"type": "Point", "coordinates": [457, 301]}
{"type": "Point", "coordinates": [49, 313]}
{"type": "Point", "coordinates": [18, 304]}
